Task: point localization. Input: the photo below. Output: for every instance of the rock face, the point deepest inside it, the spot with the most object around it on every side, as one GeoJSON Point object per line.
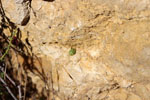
{"type": "Point", "coordinates": [112, 42]}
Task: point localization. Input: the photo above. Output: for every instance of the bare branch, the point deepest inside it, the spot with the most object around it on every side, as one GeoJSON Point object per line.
{"type": "Point", "coordinates": [7, 76]}
{"type": "Point", "coordinates": [8, 89]}
{"type": "Point", "coordinates": [20, 94]}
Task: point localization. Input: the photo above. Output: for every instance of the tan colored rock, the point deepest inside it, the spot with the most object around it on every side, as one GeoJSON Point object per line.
{"type": "Point", "coordinates": [112, 41]}
{"type": "Point", "coordinates": [17, 10]}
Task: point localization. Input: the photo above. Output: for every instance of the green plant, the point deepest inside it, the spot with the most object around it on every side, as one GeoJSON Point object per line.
{"type": "Point", "coordinates": [1, 93]}
{"type": "Point", "coordinates": [2, 74]}
{"type": "Point", "coordinates": [10, 41]}
{"type": "Point", "coordinates": [72, 51]}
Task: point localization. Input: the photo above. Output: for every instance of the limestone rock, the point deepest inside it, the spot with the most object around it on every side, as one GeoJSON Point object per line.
{"type": "Point", "coordinates": [18, 10]}
{"type": "Point", "coordinates": [23, 11]}
{"type": "Point", "coordinates": [112, 41]}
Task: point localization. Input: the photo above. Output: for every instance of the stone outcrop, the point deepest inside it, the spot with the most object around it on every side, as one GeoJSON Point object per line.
{"type": "Point", "coordinates": [112, 42]}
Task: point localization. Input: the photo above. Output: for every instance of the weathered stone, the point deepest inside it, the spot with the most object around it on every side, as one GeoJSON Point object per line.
{"type": "Point", "coordinates": [23, 11]}
{"type": "Point", "coordinates": [18, 10]}
{"type": "Point", "coordinates": [112, 42]}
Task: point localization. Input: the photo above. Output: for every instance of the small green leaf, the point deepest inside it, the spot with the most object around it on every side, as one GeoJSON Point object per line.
{"type": "Point", "coordinates": [2, 75]}
{"type": "Point", "coordinates": [72, 52]}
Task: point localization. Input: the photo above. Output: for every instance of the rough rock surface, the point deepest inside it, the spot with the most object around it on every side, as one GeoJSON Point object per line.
{"type": "Point", "coordinates": [112, 41]}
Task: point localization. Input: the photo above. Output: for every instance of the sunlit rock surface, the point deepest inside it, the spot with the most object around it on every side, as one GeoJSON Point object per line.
{"type": "Point", "coordinates": [112, 41]}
